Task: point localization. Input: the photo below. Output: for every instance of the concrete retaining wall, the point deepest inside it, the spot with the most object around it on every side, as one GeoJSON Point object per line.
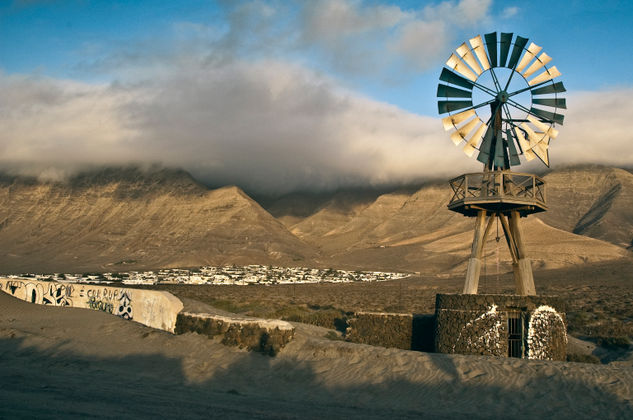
{"type": "Point", "coordinates": [149, 307]}
{"type": "Point", "coordinates": [261, 335]}
{"type": "Point", "coordinates": [156, 309]}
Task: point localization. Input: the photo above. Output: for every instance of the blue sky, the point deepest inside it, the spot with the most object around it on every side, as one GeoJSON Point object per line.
{"type": "Point", "coordinates": [590, 41]}
{"type": "Point", "coordinates": [295, 72]}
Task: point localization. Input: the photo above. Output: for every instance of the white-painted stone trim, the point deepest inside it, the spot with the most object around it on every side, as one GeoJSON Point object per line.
{"type": "Point", "coordinates": [539, 322]}
{"type": "Point", "coordinates": [491, 338]}
{"type": "Point", "coordinates": [269, 324]}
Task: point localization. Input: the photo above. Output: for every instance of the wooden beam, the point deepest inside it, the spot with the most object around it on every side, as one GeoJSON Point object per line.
{"type": "Point", "coordinates": [480, 229]}
{"type": "Point", "coordinates": [523, 277]}
{"type": "Point", "coordinates": [491, 220]}
{"type": "Point", "coordinates": [509, 238]}
{"type": "Point", "coordinates": [516, 233]}
{"type": "Point", "coordinates": [474, 263]}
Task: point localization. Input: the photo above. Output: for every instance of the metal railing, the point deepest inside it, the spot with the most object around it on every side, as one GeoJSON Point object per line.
{"type": "Point", "coordinates": [496, 185]}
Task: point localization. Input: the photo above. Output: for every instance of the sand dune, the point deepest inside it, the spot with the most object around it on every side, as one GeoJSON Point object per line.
{"type": "Point", "coordinates": [61, 362]}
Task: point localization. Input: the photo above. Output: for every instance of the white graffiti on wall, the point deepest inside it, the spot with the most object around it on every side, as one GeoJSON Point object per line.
{"type": "Point", "coordinates": [54, 294]}
{"type": "Point", "coordinates": [58, 295]}
{"type": "Point", "coordinates": [124, 308]}
{"type": "Point", "coordinates": [544, 323]}
{"type": "Point", "coordinates": [156, 309]}
{"type": "Point", "coordinates": [106, 299]}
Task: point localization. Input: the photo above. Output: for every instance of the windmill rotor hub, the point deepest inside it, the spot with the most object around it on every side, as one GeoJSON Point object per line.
{"type": "Point", "coordinates": [503, 97]}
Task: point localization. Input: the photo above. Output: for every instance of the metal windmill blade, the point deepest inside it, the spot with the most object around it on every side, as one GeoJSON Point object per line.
{"type": "Point", "coordinates": [501, 99]}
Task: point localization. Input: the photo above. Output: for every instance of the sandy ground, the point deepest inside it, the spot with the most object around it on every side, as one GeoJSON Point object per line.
{"type": "Point", "coordinates": [64, 363]}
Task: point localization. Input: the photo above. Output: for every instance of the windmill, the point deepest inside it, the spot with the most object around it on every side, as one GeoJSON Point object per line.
{"type": "Point", "coordinates": [502, 102]}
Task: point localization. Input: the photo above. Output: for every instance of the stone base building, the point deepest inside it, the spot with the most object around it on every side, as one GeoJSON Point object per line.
{"type": "Point", "coordinates": [531, 327]}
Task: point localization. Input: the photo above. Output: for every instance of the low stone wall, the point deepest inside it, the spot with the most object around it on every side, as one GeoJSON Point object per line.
{"type": "Point", "coordinates": [261, 335]}
{"type": "Point", "coordinates": [403, 331]}
{"type": "Point", "coordinates": [480, 324]}
{"type": "Point", "coordinates": [148, 307]}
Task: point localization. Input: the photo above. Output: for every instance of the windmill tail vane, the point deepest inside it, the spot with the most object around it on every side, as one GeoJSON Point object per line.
{"type": "Point", "coordinates": [501, 99]}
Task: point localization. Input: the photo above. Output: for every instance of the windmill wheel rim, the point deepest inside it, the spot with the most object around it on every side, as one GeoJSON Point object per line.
{"type": "Point", "coordinates": [528, 136]}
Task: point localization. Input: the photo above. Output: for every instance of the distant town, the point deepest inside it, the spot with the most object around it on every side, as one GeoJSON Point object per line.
{"type": "Point", "coordinates": [228, 275]}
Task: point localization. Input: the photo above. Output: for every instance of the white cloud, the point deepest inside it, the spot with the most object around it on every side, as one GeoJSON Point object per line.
{"type": "Point", "coordinates": [274, 126]}
{"type": "Point", "coordinates": [350, 36]}
{"type": "Point", "coordinates": [421, 43]}
{"type": "Point", "coordinates": [509, 12]}
{"type": "Point", "coordinates": [596, 129]}
{"type": "Point", "coordinates": [463, 13]}
{"type": "Point", "coordinates": [46, 120]}
{"type": "Point", "coordinates": [328, 20]}
{"type": "Point", "coordinates": [266, 125]}
{"type": "Point", "coordinates": [365, 39]}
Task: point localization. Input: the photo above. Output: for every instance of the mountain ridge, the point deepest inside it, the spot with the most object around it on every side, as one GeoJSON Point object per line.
{"type": "Point", "coordinates": [117, 219]}
{"type": "Point", "coordinates": [147, 220]}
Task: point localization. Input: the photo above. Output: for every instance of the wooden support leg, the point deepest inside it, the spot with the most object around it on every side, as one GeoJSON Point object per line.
{"type": "Point", "coordinates": [523, 277]}
{"type": "Point", "coordinates": [509, 238]}
{"type": "Point", "coordinates": [472, 276]}
{"type": "Point", "coordinates": [474, 263]}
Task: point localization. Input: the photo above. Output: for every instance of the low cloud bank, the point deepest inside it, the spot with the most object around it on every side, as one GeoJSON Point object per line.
{"type": "Point", "coordinates": [267, 126]}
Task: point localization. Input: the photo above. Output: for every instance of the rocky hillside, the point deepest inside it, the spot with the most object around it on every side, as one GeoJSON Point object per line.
{"type": "Point", "coordinates": [125, 219]}
{"type": "Point", "coordinates": [592, 201]}
{"type": "Point", "coordinates": [415, 231]}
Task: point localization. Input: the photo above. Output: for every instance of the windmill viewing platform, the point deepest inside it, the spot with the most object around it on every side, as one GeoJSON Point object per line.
{"type": "Point", "coordinates": [497, 192]}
